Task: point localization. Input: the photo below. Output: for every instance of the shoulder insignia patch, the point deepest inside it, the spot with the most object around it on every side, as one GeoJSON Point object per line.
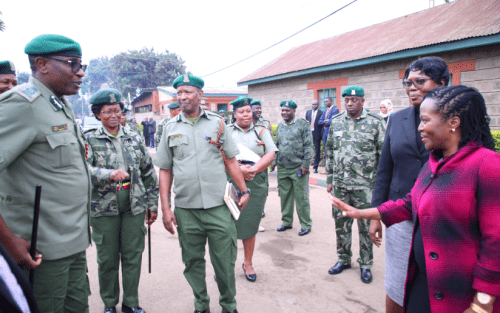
{"type": "Point", "coordinates": [29, 92]}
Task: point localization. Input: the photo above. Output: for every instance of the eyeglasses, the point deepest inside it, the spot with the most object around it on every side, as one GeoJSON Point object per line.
{"type": "Point", "coordinates": [116, 112]}
{"type": "Point", "coordinates": [419, 83]}
{"type": "Point", "coordinates": [75, 65]}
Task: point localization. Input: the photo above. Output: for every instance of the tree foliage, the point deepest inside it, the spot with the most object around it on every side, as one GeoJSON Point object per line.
{"type": "Point", "coordinates": [2, 24]}
{"type": "Point", "coordinates": [98, 73]}
{"type": "Point", "coordinates": [145, 69]}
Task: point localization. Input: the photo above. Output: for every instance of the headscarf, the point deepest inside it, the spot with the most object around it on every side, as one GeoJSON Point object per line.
{"type": "Point", "coordinates": [388, 105]}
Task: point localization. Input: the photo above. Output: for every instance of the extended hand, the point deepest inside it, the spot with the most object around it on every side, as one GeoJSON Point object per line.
{"type": "Point", "coordinates": [152, 218]}
{"type": "Point", "coordinates": [118, 175]}
{"type": "Point", "coordinates": [243, 201]}
{"type": "Point", "coordinates": [19, 249]}
{"type": "Point", "coordinates": [376, 232]}
{"type": "Point", "coordinates": [346, 209]}
{"type": "Point", "coordinates": [305, 171]}
{"type": "Point", "coordinates": [169, 221]}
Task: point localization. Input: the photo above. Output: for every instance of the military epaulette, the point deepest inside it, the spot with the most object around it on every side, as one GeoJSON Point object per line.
{"type": "Point", "coordinates": [88, 131]}
{"type": "Point", "coordinates": [212, 114]}
{"type": "Point", "coordinates": [375, 115]}
{"type": "Point", "coordinates": [338, 115]}
{"type": "Point", "coordinates": [28, 91]}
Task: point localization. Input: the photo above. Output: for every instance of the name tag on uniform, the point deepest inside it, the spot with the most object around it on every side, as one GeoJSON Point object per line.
{"type": "Point", "coordinates": [60, 127]}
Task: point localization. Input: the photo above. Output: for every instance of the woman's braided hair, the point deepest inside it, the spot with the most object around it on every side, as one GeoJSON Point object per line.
{"type": "Point", "coordinates": [467, 104]}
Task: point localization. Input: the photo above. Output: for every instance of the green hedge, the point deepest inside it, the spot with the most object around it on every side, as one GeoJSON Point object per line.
{"type": "Point", "coordinates": [496, 137]}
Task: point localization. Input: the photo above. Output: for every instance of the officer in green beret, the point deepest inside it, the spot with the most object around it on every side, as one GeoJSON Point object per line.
{"type": "Point", "coordinates": [258, 119]}
{"type": "Point", "coordinates": [258, 140]}
{"type": "Point", "coordinates": [295, 143]}
{"type": "Point", "coordinates": [125, 187]}
{"type": "Point", "coordinates": [8, 79]}
{"type": "Point", "coordinates": [41, 143]}
{"type": "Point", "coordinates": [226, 118]}
{"type": "Point", "coordinates": [353, 151]}
{"type": "Point", "coordinates": [174, 110]}
{"type": "Point", "coordinates": [195, 148]}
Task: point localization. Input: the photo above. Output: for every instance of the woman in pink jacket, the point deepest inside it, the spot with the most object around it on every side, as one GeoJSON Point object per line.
{"type": "Point", "coordinates": [454, 264]}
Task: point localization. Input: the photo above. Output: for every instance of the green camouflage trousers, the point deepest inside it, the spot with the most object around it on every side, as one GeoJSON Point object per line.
{"type": "Point", "coordinates": [360, 199]}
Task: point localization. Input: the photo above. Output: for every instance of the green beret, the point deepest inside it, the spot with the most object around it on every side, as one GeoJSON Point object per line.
{"type": "Point", "coordinates": [354, 91]}
{"type": "Point", "coordinates": [106, 97]}
{"type": "Point", "coordinates": [125, 109]}
{"type": "Point", "coordinates": [222, 111]}
{"type": "Point", "coordinates": [255, 102]}
{"type": "Point", "coordinates": [289, 104]}
{"type": "Point", "coordinates": [173, 105]}
{"type": "Point", "coordinates": [7, 67]}
{"type": "Point", "coordinates": [240, 101]}
{"type": "Point", "coordinates": [53, 45]}
{"type": "Point", "coordinates": [188, 80]}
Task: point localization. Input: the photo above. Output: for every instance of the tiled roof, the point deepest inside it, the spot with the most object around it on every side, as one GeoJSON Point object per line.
{"type": "Point", "coordinates": [451, 22]}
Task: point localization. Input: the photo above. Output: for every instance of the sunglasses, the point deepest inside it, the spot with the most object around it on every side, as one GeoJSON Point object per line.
{"type": "Point", "coordinates": [75, 65]}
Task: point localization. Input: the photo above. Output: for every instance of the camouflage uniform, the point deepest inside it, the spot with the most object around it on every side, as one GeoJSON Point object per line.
{"type": "Point", "coordinates": [353, 152]}
{"type": "Point", "coordinates": [159, 133]}
{"type": "Point", "coordinates": [295, 146]}
{"type": "Point", "coordinates": [135, 128]}
{"type": "Point", "coordinates": [118, 212]}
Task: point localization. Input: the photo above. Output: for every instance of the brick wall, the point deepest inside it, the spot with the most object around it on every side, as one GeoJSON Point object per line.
{"type": "Point", "coordinates": [382, 81]}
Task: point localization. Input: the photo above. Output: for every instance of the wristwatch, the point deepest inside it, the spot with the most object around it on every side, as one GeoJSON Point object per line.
{"type": "Point", "coordinates": [241, 193]}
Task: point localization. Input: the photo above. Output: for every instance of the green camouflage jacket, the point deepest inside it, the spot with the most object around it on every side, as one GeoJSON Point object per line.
{"type": "Point", "coordinates": [102, 160]}
{"type": "Point", "coordinates": [135, 128]}
{"type": "Point", "coordinates": [353, 150]}
{"type": "Point", "coordinates": [159, 132]}
{"type": "Point", "coordinates": [295, 144]}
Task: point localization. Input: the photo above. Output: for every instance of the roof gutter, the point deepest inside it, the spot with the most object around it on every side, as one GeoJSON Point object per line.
{"type": "Point", "coordinates": [433, 49]}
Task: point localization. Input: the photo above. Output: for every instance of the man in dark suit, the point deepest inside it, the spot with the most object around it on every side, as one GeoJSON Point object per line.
{"type": "Point", "coordinates": [152, 131]}
{"type": "Point", "coordinates": [16, 294]}
{"type": "Point", "coordinates": [313, 116]}
{"type": "Point", "coordinates": [145, 131]}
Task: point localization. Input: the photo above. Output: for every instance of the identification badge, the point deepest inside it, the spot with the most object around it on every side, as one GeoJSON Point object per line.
{"type": "Point", "coordinates": [60, 127]}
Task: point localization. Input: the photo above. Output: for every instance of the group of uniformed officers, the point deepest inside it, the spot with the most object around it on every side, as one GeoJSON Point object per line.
{"type": "Point", "coordinates": [105, 178]}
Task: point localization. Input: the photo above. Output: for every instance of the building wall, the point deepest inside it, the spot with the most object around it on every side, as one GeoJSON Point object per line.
{"type": "Point", "coordinates": [382, 81]}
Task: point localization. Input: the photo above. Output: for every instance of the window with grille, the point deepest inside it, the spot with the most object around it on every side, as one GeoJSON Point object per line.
{"type": "Point", "coordinates": [323, 94]}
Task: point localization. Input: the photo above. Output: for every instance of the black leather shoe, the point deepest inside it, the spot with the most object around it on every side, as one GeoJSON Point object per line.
{"type": "Point", "coordinates": [315, 171]}
{"type": "Point", "coordinates": [304, 231]}
{"type": "Point", "coordinates": [263, 214]}
{"type": "Point", "coordinates": [233, 311]}
{"type": "Point", "coordinates": [126, 309]}
{"type": "Point", "coordinates": [110, 310]}
{"type": "Point", "coordinates": [206, 311]}
{"type": "Point", "coordinates": [366, 275]}
{"type": "Point", "coordinates": [283, 228]}
{"type": "Point", "coordinates": [338, 268]}
{"type": "Point", "coordinates": [251, 277]}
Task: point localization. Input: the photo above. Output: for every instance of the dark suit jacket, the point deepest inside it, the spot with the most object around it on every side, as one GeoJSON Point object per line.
{"type": "Point", "coordinates": [145, 129]}
{"type": "Point", "coordinates": [401, 161]}
{"type": "Point", "coordinates": [7, 303]}
{"type": "Point", "coordinates": [152, 127]}
{"type": "Point", "coordinates": [318, 129]}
